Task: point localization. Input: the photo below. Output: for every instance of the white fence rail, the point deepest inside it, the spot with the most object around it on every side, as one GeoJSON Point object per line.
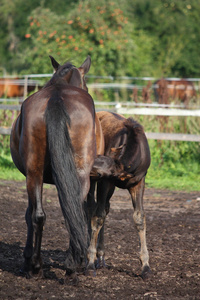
{"type": "Point", "coordinates": [125, 108]}
{"type": "Point", "coordinates": [150, 135]}
{"type": "Point", "coordinates": [130, 110]}
{"type": "Point", "coordinates": [158, 112]}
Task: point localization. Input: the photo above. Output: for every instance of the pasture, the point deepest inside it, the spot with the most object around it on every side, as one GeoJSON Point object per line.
{"type": "Point", "coordinates": [172, 238]}
{"type": "Point", "coordinates": [172, 235]}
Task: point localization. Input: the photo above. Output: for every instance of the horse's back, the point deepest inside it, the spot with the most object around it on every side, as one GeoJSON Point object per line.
{"type": "Point", "coordinates": [28, 137]}
{"type": "Point", "coordinates": [78, 104]}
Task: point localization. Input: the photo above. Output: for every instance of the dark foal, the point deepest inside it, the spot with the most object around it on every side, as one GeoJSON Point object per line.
{"type": "Point", "coordinates": [108, 167]}
{"type": "Point", "coordinates": [135, 158]}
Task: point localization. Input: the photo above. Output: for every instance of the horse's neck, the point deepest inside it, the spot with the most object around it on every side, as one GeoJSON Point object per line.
{"type": "Point", "coordinates": [56, 81]}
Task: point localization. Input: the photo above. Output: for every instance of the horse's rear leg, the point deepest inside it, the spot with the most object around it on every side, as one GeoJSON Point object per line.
{"type": "Point", "coordinates": [140, 222]}
{"type": "Point", "coordinates": [28, 251]}
{"type": "Point", "coordinates": [35, 218]}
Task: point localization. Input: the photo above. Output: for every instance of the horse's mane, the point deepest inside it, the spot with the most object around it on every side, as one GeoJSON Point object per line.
{"type": "Point", "coordinates": [64, 69]}
{"type": "Point", "coordinates": [60, 73]}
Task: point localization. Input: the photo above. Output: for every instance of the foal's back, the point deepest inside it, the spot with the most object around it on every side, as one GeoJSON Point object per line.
{"type": "Point", "coordinates": [128, 134]}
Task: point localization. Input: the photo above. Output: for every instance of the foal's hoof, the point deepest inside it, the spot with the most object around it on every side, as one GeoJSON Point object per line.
{"type": "Point", "coordinates": [146, 272]}
{"type": "Point", "coordinates": [71, 279]}
{"type": "Point", "coordinates": [100, 263]}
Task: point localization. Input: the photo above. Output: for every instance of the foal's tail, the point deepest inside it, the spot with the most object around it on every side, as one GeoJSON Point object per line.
{"type": "Point", "coordinates": [64, 174]}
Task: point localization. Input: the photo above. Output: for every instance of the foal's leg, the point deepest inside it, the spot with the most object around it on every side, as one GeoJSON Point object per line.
{"type": "Point", "coordinates": [91, 206]}
{"type": "Point", "coordinates": [35, 218]}
{"type": "Point", "coordinates": [100, 243]}
{"type": "Point", "coordinates": [140, 222]}
{"type": "Point", "coordinates": [97, 221]}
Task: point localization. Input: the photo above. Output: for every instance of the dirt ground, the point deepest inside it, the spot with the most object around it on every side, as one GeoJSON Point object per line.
{"type": "Point", "coordinates": [173, 236]}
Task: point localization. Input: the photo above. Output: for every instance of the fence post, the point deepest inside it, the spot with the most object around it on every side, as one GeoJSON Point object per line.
{"type": "Point", "coordinates": [25, 86]}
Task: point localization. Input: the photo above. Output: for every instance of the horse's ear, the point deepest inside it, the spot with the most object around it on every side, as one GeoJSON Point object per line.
{"type": "Point", "coordinates": [86, 65]}
{"type": "Point", "coordinates": [75, 78]}
{"type": "Point", "coordinates": [54, 63]}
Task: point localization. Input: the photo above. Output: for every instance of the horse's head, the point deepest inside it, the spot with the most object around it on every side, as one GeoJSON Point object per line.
{"type": "Point", "coordinates": [72, 75]}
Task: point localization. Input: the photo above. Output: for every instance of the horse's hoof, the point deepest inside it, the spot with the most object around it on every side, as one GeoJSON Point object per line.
{"type": "Point", "coordinates": [91, 272]}
{"type": "Point", "coordinates": [71, 279]}
{"type": "Point", "coordinates": [38, 274]}
{"type": "Point", "coordinates": [25, 271]}
{"type": "Point", "coordinates": [80, 270]}
{"type": "Point", "coordinates": [146, 272]}
{"type": "Point", "coordinates": [28, 275]}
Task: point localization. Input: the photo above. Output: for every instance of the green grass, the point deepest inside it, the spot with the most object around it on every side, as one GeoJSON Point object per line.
{"type": "Point", "coordinates": [174, 166]}
{"type": "Point", "coordinates": [172, 176]}
{"type": "Point", "coordinates": [179, 178]}
{"type": "Point", "coordinates": [8, 171]}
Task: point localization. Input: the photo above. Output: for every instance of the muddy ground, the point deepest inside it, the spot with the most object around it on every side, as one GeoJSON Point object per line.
{"type": "Point", "coordinates": [173, 236]}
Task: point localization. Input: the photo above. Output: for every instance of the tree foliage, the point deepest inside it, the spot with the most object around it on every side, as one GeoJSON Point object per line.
{"type": "Point", "coordinates": [101, 31]}
{"type": "Point", "coordinates": [174, 26]}
{"type": "Point", "coordinates": [136, 38]}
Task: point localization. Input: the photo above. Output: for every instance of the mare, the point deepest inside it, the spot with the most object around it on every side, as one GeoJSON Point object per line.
{"type": "Point", "coordinates": [53, 141]}
{"type": "Point", "coordinates": [175, 89]}
{"type": "Point", "coordinates": [14, 87]}
{"type": "Point", "coordinates": [127, 139]}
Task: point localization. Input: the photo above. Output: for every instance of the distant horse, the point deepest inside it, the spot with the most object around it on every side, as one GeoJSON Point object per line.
{"type": "Point", "coordinates": [53, 141]}
{"type": "Point", "coordinates": [175, 89]}
{"type": "Point", "coordinates": [14, 87]}
{"type": "Point", "coordinates": [127, 139]}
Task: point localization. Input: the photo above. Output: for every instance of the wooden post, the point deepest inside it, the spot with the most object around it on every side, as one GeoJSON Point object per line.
{"type": "Point", "coordinates": [25, 87]}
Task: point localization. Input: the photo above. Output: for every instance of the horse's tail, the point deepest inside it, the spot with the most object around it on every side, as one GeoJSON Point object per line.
{"type": "Point", "coordinates": [64, 174]}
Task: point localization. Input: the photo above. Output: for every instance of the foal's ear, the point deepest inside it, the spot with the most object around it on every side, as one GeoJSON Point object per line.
{"type": "Point", "coordinates": [116, 153]}
{"type": "Point", "coordinates": [85, 66]}
{"type": "Point", "coordinates": [54, 63]}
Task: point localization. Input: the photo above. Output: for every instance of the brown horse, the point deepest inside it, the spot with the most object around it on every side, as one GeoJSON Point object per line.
{"type": "Point", "coordinates": [174, 89]}
{"type": "Point", "coordinates": [14, 87]}
{"type": "Point", "coordinates": [79, 81]}
{"type": "Point", "coordinates": [127, 137]}
{"type": "Point", "coordinates": [53, 141]}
